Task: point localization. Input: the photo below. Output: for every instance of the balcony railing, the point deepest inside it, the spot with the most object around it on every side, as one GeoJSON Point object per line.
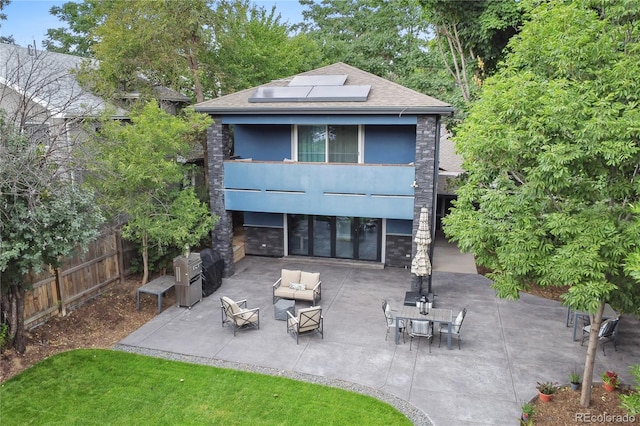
{"type": "Point", "coordinates": [362, 190]}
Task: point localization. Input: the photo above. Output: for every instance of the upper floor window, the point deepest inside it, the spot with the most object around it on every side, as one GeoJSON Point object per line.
{"type": "Point", "coordinates": [328, 143]}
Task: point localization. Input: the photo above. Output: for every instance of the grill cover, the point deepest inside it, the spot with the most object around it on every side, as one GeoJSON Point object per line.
{"type": "Point", "coordinates": [212, 271]}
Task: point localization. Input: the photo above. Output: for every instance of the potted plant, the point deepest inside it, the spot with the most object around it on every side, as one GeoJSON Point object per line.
{"type": "Point", "coordinates": [574, 380]}
{"type": "Point", "coordinates": [610, 380]}
{"type": "Point", "coordinates": [528, 410]}
{"type": "Point", "coordinates": [546, 390]}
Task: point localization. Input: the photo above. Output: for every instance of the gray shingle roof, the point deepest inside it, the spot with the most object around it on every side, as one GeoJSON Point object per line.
{"type": "Point", "coordinates": [385, 97]}
{"type": "Point", "coordinates": [47, 79]}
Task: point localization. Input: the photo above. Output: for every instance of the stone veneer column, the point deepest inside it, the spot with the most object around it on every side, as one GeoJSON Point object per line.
{"type": "Point", "coordinates": [425, 164]}
{"type": "Point", "coordinates": [219, 149]}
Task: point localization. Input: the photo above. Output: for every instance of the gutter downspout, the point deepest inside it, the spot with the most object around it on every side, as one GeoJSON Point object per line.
{"type": "Point", "coordinates": [434, 206]}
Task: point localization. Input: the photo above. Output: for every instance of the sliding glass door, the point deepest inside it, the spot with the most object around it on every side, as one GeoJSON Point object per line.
{"type": "Point", "coordinates": [343, 237]}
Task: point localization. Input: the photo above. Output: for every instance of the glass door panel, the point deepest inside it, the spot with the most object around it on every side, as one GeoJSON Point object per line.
{"type": "Point", "coordinates": [322, 235]}
{"type": "Point", "coordinates": [344, 237]}
{"type": "Point", "coordinates": [369, 238]}
{"type": "Point", "coordinates": [298, 234]}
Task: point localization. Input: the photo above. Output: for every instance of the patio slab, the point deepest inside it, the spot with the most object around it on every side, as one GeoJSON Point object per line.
{"type": "Point", "coordinates": [507, 346]}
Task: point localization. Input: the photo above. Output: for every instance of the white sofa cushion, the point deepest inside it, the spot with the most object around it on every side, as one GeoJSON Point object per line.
{"type": "Point", "coordinates": [309, 279]}
{"type": "Point", "coordinates": [289, 276]}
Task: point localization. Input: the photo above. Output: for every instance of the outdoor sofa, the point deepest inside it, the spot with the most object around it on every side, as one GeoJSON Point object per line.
{"type": "Point", "coordinates": [298, 285]}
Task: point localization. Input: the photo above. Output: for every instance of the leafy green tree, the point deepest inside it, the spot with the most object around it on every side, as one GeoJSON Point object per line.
{"type": "Point", "coordinates": [137, 172]}
{"type": "Point", "coordinates": [3, 4]}
{"type": "Point", "coordinates": [162, 40]}
{"type": "Point", "coordinates": [43, 217]}
{"type": "Point", "coordinates": [3, 17]}
{"type": "Point", "coordinates": [81, 19]}
{"type": "Point", "coordinates": [551, 150]}
{"type": "Point", "coordinates": [251, 46]}
{"type": "Point", "coordinates": [386, 38]}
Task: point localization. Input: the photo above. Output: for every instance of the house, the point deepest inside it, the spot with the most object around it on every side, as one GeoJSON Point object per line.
{"type": "Point", "coordinates": [334, 162]}
{"type": "Point", "coordinates": [41, 95]}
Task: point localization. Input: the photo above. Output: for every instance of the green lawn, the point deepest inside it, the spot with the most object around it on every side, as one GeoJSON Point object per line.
{"type": "Point", "coordinates": [103, 387]}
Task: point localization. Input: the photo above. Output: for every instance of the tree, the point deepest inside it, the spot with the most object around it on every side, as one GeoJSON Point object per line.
{"type": "Point", "coordinates": [44, 217]}
{"type": "Point", "coordinates": [162, 41]}
{"type": "Point", "coordinates": [44, 214]}
{"type": "Point", "coordinates": [551, 150]}
{"type": "Point", "coordinates": [472, 35]}
{"type": "Point", "coordinates": [3, 17]}
{"type": "Point", "coordinates": [250, 46]}
{"type": "Point", "coordinates": [137, 172]}
{"type": "Point", "coordinates": [76, 39]}
{"type": "Point", "coordinates": [386, 38]}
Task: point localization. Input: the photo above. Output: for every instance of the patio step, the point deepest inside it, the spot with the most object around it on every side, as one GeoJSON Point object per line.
{"type": "Point", "coordinates": [238, 252]}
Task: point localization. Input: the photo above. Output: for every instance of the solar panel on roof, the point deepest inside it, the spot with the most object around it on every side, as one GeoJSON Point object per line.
{"type": "Point", "coordinates": [318, 80]}
{"type": "Point", "coordinates": [311, 94]}
{"type": "Point", "coordinates": [339, 93]}
{"type": "Point", "coordinates": [279, 94]}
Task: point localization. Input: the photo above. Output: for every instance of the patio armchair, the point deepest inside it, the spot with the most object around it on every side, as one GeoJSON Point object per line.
{"type": "Point", "coordinates": [308, 320]}
{"type": "Point", "coordinates": [608, 333]}
{"type": "Point", "coordinates": [421, 328]}
{"type": "Point", "coordinates": [455, 328]}
{"type": "Point", "coordinates": [237, 314]}
{"type": "Point", "coordinates": [390, 319]}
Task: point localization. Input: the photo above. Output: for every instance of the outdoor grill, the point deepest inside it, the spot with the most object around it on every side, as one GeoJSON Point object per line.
{"type": "Point", "coordinates": [188, 273]}
{"type": "Point", "coordinates": [212, 271]}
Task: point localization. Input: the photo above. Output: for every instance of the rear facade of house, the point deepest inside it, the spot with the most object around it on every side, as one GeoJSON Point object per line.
{"type": "Point", "coordinates": [332, 163]}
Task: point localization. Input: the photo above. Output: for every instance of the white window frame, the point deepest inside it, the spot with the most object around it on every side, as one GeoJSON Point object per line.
{"type": "Point", "coordinates": [294, 141]}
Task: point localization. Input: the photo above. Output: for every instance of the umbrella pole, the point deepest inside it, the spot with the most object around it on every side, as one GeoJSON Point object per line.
{"type": "Point", "coordinates": [420, 285]}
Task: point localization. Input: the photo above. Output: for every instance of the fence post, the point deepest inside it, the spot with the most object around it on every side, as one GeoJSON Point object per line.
{"type": "Point", "coordinates": [60, 292]}
{"type": "Point", "coordinates": [120, 250]}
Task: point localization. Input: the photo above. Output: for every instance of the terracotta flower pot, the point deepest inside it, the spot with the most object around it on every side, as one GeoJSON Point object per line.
{"type": "Point", "coordinates": [544, 397]}
{"type": "Point", "coordinates": [608, 387]}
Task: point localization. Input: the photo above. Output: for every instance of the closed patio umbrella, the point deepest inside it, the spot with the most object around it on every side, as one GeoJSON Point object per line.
{"type": "Point", "coordinates": [421, 264]}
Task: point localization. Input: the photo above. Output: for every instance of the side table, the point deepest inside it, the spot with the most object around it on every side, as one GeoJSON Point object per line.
{"type": "Point", "coordinates": [158, 287]}
{"type": "Point", "coordinates": [281, 307]}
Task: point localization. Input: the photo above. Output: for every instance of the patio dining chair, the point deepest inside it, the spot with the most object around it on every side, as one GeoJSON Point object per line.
{"type": "Point", "coordinates": [390, 319]}
{"type": "Point", "coordinates": [420, 328]}
{"type": "Point", "coordinates": [608, 333]}
{"type": "Point", "coordinates": [455, 328]}
{"type": "Point", "coordinates": [237, 314]}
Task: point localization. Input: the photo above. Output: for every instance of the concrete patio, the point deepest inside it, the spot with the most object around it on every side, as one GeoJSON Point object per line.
{"type": "Point", "coordinates": [507, 346]}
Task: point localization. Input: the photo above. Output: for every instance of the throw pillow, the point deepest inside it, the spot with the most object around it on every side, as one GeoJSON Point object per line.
{"type": "Point", "coordinates": [296, 286]}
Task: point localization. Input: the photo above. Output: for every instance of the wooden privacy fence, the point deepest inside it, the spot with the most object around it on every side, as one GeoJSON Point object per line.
{"type": "Point", "coordinates": [80, 278]}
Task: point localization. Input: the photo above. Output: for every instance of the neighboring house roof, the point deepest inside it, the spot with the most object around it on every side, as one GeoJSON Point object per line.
{"type": "Point", "coordinates": [450, 161]}
{"type": "Point", "coordinates": [46, 78]}
{"type": "Point", "coordinates": [384, 97]}
{"type": "Point", "coordinates": [450, 164]}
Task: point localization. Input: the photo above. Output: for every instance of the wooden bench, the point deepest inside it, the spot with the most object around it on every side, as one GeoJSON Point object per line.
{"type": "Point", "coordinates": [159, 287]}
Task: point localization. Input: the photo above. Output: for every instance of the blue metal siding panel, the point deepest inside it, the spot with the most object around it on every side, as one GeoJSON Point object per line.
{"type": "Point", "coordinates": [389, 144]}
{"type": "Point", "coordinates": [262, 142]}
{"type": "Point", "coordinates": [400, 227]}
{"type": "Point", "coordinates": [320, 189]}
{"type": "Point", "coordinates": [272, 220]}
{"type": "Point", "coordinates": [320, 119]}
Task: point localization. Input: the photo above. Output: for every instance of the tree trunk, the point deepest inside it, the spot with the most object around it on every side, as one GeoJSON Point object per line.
{"type": "Point", "coordinates": [587, 378]}
{"type": "Point", "coordinates": [14, 304]}
{"type": "Point", "coordinates": [145, 259]}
